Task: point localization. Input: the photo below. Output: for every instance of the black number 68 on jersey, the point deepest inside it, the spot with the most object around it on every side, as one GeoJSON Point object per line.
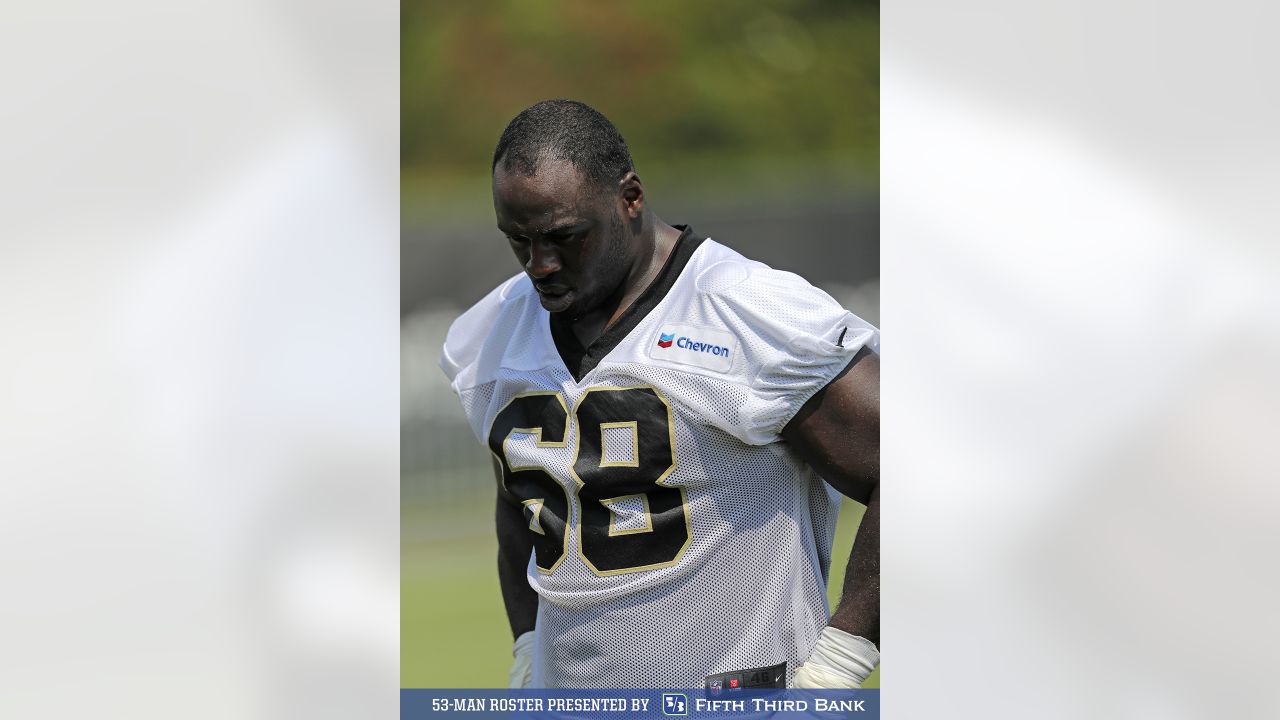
{"type": "Point", "coordinates": [601, 483]}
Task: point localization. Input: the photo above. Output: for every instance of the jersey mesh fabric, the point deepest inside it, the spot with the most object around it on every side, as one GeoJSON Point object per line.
{"type": "Point", "coordinates": [619, 444]}
{"type": "Point", "coordinates": [749, 589]}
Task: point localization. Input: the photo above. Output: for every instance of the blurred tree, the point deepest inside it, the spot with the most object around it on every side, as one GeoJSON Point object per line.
{"type": "Point", "coordinates": [712, 86]}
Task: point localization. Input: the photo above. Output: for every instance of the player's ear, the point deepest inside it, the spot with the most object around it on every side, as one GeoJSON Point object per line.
{"type": "Point", "coordinates": [631, 195]}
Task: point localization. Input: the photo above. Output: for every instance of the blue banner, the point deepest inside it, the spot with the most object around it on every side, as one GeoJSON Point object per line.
{"type": "Point", "coordinates": [634, 704]}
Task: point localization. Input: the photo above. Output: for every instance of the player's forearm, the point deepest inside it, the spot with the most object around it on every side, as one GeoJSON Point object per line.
{"type": "Point", "coordinates": [858, 612]}
{"type": "Point", "coordinates": [513, 561]}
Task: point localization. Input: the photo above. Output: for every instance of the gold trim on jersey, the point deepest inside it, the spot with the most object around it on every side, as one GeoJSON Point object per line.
{"type": "Point", "coordinates": [537, 433]}
{"type": "Point", "coordinates": [661, 480]}
{"type": "Point", "coordinates": [535, 510]}
{"type": "Point", "coordinates": [613, 522]}
{"type": "Point", "coordinates": [634, 427]}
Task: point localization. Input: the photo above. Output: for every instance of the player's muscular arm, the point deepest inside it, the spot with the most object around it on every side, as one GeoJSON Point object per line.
{"type": "Point", "coordinates": [838, 433]}
{"type": "Point", "coordinates": [514, 548]}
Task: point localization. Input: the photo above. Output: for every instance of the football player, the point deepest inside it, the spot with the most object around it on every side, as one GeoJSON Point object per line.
{"type": "Point", "coordinates": [662, 414]}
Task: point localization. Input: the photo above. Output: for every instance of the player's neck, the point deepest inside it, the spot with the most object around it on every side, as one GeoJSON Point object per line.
{"type": "Point", "coordinates": [649, 261]}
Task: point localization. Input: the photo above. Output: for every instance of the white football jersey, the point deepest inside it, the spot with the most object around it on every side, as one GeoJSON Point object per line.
{"type": "Point", "coordinates": [678, 541]}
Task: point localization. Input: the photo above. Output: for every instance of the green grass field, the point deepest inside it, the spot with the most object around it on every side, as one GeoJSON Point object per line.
{"type": "Point", "coordinates": [453, 628]}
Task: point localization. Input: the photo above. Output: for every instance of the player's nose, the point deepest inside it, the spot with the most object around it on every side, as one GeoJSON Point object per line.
{"type": "Point", "coordinates": [543, 260]}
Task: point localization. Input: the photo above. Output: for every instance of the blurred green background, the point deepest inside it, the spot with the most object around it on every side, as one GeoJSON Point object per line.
{"type": "Point", "coordinates": [756, 122]}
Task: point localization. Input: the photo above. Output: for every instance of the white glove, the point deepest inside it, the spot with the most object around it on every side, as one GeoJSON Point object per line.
{"type": "Point", "coordinates": [838, 660]}
{"type": "Point", "coordinates": [522, 668]}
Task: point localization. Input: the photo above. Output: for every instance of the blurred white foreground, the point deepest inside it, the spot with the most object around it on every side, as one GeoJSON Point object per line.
{"type": "Point", "coordinates": [1079, 308]}
{"type": "Point", "coordinates": [198, 306]}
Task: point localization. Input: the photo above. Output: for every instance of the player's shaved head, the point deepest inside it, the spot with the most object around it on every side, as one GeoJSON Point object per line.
{"type": "Point", "coordinates": [563, 130]}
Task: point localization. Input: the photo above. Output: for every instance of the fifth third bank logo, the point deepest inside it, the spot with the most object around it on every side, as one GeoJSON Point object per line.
{"type": "Point", "coordinates": [675, 704]}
